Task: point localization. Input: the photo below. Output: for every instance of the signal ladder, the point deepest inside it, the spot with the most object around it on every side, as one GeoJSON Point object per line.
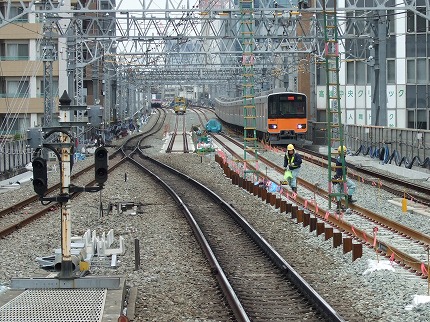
{"type": "Point", "coordinates": [333, 108]}
{"type": "Point", "coordinates": [248, 93]}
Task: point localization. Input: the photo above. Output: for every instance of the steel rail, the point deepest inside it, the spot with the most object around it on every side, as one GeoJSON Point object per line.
{"type": "Point", "coordinates": [159, 120]}
{"type": "Point", "coordinates": [172, 139]}
{"type": "Point", "coordinates": [399, 256]}
{"type": "Point", "coordinates": [422, 197]}
{"type": "Point", "coordinates": [184, 136]}
{"type": "Point", "coordinates": [53, 205]}
{"type": "Point", "coordinates": [34, 198]}
{"type": "Point", "coordinates": [288, 270]}
{"type": "Point", "coordinates": [227, 289]}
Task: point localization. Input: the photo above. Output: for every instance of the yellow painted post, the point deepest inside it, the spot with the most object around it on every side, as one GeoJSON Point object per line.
{"type": "Point", "coordinates": [404, 203]}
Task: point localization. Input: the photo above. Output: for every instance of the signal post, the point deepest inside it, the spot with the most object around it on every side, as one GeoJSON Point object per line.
{"type": "Point", "coordinates": [64, 151]}
{"type": "Point", "coordinates": [66, 167]}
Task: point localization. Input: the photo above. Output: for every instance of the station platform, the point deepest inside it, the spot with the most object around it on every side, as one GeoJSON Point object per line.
{"type": "Point", "coordinates": [63, 304]}
{"type": "Point", "coordinates": [361, 161]}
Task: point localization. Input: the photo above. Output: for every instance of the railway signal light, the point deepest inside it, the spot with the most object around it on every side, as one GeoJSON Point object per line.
{"type": "Point", "coordinates": [101, 165]}
{"type": "Point", "coordinates": [40, 176]}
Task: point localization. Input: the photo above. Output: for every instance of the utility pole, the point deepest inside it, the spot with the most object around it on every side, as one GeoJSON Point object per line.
{"type": "Point", "coordinates": [378, 60]}
{"type": "Point", "coordinates": [48, 57]}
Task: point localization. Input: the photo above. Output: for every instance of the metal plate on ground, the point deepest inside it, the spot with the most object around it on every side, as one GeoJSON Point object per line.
{"type": "Point", "coordinates": [55, 305]}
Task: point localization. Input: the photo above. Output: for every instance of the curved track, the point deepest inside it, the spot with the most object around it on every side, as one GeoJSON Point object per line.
{"type": "Point", "coordinates": [401, 244]}
{"type": "Point", "coordinates": [266, 289]}
{"type": "Point", "coordinates": [17, 215]}
{"type": "Point", "coordinates": [249, 293]}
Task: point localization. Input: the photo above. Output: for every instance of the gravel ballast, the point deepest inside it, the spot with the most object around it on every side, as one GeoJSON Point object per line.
{"type": "Point", "coordinates": [380, 295]}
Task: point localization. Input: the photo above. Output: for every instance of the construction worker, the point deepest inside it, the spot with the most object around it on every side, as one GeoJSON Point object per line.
{"type": "Point", "coordinates": [339, 175]}
{"type": "Point", "coordinates": [292, 162]}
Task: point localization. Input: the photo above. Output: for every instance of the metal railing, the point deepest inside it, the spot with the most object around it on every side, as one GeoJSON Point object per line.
{"type": "Point", "coordinates": [14, 58]}
{"type": "Point", "coordinates": [388, 143]}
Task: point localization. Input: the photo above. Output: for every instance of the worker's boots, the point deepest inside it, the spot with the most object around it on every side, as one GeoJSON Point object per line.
{"type": "Point", "coordinates": [350, 199]}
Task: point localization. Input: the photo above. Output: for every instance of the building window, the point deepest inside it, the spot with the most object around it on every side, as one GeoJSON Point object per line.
{"type": "Point", "coordinates": [411, 97]}
{"type": "Point", "coordinates": [421, 71]}
{"type": "Point", "coordinates": [350, 73]}
{"type": "Point", "coordinates": [410, 71]}
{"type": "Point", "coordinates": [391, 71]}
{"type": "Point", "coordinates": [417, 23]}
{"type": "Point", "coordinates": [428, 66]}
{"type": "Point", "coordinates": [13, 12]}
{"type": "Point", "coordinates": [411, 119]}
{"type": "Point", "coordinates": [356, 73]}
{"type": "Point", "coordinates": [321, 74]}
{"type": "Point", "coordinates": [421, 93]}
{"type": "Point", "coordinates": [391, 16]}
{"type": "Point", "coordinates": [16, 52]}
{"type": "Point", "coordinates": [421, 43]}
{"type": "Point", "coordinates": [360, 68]}
{"type": "Point", "coordinates": [54, 86]}
{"type": "Point", "coordinates": [417, 119]}
{"type": "Point", "coordinates": [17, 89]}
{"type": "Point", "coordinates": [421, 22]}
{"type": "Point", "coordinates": [421, 120]}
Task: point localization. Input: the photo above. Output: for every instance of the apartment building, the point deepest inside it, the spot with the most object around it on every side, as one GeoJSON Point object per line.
{"type": "Point", "coordinates": [21, 70]}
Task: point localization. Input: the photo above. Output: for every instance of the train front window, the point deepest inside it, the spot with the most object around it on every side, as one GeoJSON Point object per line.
{"type": "Point", "coordinates": [287, 105]}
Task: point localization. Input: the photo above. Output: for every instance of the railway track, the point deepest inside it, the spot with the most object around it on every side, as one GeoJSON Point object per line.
{"type": "Point", "coordinates": [179, 139]}
{"type": "Point", "coordinates": [401, 244]}
{"type": "Point", "coordinates": [265, 289]}
{"type": "Point", "coordinates": [24, 212]}
{"type": "Point", "coordinates": [395, 185]}
{"type": "Point", "coordinates": [259, 267]}
{"type": "Point", "coordinates": [119, 154]}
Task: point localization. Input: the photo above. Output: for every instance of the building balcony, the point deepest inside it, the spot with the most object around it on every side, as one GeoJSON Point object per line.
{"type": "Point", "coordinates": [21, 105]}
{"type": "Point", "coordinates": [26, 68]}
{"type": "Point", "coordinates": [20, 31]}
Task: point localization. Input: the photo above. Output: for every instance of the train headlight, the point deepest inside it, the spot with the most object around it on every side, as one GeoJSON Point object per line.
{"type": "Point", "coordinates": [301, 126]}
{"type": "Point", "coordinates": [273, 126]}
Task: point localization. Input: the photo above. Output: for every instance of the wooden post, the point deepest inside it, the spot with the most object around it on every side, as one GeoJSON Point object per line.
{"type": "Point", "coordinates": [337, 239]}
{"type": "Point", "coordinates": [312, 224]}
{"type": "Point", "coordinates": [277, 203]}
{"type": "Point", "coordinates": [300, 215]}
{"type": "Point", "coordinates": [283, 206]}
{"type": "Point", "coordinates": [320, 228]}
{"type": "Point", "coordinates": [347, 245]}
{"type": "Point", "coordinates": [328, 232]}
{"type": "Point", "coordinates": [294, 212]}
{"type": "Point", "coordinates": [357, 251]}
{"type": "Point", "coordinates": [306, 218]}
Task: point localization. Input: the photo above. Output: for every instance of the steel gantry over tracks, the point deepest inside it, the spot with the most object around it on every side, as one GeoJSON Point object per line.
{"type": "Point", "coordinates": [202, 43]}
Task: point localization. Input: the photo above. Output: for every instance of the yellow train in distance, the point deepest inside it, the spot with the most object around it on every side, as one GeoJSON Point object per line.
{"type": "Point", "coordinates": [180, 106]}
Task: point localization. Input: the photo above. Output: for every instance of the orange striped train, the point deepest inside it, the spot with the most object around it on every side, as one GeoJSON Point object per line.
{"type": "Point", "coordinates": [280, 117]}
